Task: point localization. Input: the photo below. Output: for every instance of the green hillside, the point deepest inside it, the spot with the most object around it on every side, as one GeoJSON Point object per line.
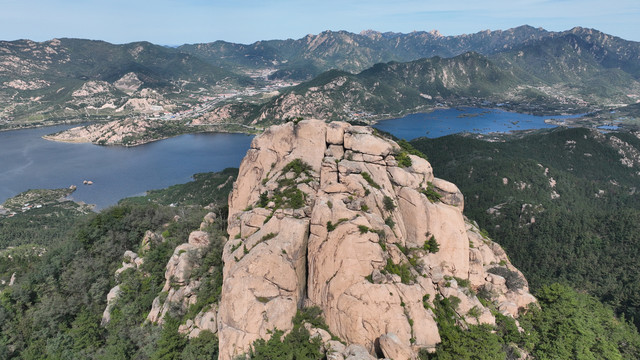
{"type": "Point", "coordinates": [71, 78]}
{"type": "Point", "coordinates": [564, 204]}
{"type": "Point", "coordinates": [54, 308]}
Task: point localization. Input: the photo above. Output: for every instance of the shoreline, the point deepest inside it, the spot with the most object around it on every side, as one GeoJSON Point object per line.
{"type": "Point", "coordinates": [241, 128]}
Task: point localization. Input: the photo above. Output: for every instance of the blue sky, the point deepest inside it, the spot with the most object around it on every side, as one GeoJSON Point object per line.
{"type": "Point", "coordinates": [174, 22]}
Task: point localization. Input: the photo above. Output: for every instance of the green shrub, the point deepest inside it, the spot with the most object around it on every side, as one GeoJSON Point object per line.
{"type": "Point", "coordinates": [297, 344]}
{"type": "Point", "coordinates": [331, 226]}
{"type": "Point", "coordinates": [388, 203]}
{"type": "Point", "coordinates": [389, 222]}
{"type": "Point", "coordinates": [403, 159]}
{"type": "Point", "coordinates": [268, 236]}
{"type": "Point", "coordinates": [514, 280]}
{"type": "Point", "coordinates": [298, 167]}
{"type": "Point", "coordinates": [431, 245]}
{"type": "Point", "coordinates": [363, 229]}
{"type": "Point", "coordinates": [264, 200]}
{"type": "Point", "coordinates": [431, 193]}
{"type": "Point", "coordinates": [409, 149]}
{"type": "Point", "coordinates": [369, 180]}
{"type": "Point", "coordinates": [296, 199]}
{"type": "Point", "coordinates": [402, 270]}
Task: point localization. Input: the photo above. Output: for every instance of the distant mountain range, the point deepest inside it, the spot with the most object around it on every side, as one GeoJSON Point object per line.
{"type": "Point", "coordinates": [370, 75]}
{"type": "Point", "coordinates": [577, 71]}
{"type": "Point", "coordinates": [313, 54]}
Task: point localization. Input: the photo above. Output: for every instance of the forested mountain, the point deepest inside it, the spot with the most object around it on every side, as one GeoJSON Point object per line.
{"type": "Point", "coordinates": [552, 75]}
{"type": "Point", "coordinates": [313, 54]}
{"type": "Point", "coordinates": [564, 203]}
{"type": "Point", "coordinates": [66, 78]}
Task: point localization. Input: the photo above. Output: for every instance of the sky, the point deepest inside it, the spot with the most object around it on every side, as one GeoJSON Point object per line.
{"type": "Point", "coordinates": [175, 22]}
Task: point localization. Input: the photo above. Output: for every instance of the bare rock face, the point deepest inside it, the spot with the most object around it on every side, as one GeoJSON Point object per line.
{"type": "Point", "coordinates": [322, 214]}
{"type": "Point", "coordinates": [205, 320]}
{"type": "Point", "coordinates": [393, 348]}
{"type": "Point", "coordinates": [112, 297]}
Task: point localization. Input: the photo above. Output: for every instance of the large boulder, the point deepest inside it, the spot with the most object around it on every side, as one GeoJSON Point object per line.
{"type": "Point", "coordinates": [323, 215]}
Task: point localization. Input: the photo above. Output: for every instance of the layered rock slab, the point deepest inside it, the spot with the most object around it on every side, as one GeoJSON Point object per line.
{"type": "Point", "coordinates": [322, 214]}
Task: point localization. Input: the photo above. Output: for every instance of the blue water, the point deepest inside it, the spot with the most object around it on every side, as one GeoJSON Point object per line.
{"type": "Point", "coordinates": [451, 121]}
{"type": "Point", "coordinates": [609, 127]}
{"type": "Point", "coordinates": [29, 162]}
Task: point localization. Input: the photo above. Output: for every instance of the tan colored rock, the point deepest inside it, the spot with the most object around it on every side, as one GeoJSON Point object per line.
{"type": "Point", "coordinates": [332, 252]}
{"type": "Point", "coordinates": [205, 320]}
{"type": "Point", "coordinates": [149, 238]}
{"type": "Point", "coordinates": [335, 133]}
{"type": "Point", "coordinates": [199, 239]}
{"type": "Point", "coordinates": [361, 140]}
{"type": "Point", "coordinates": [209, 219]}
{"type": "Point", "coordinates": [451, 195]}
{"type": "Point", "coordinates": [357, 352]}
{"type": "Point", "coordinates": [180, 287]}
{"type": "Point", "coordinates": [393, 348]}
{"type": "Point", "coordinates": [112, 297]}
{"type": "Point", "coordinates": [335, 151]}
{"type": "Point", "coordinates": [422, 167]}
{"type": "Point", "coordinates": [323, 335]}
{"type": "Point", "coordinates": [263, 288]}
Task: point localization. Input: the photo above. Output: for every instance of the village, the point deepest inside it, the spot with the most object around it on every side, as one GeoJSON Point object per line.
{"type": "Point", "coordinates": [203, 103]}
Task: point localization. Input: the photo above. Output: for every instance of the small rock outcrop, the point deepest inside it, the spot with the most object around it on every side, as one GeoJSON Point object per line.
{"type": "Point", "coordinates": [130, 260]}
{"type": "Point", "coordinates": [180, 288]}
{"type": "Point", "coordinates": [334, 216]}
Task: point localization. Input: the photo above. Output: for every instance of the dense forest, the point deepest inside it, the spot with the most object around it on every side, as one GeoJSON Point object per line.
{"type": "Point", "coordinates": [563, 203]}
{"type": "Point", "coordinates": [54, 308]}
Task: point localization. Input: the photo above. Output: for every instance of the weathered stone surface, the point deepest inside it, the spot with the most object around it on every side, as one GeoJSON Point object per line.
{"type": "Point", "coordinates": [334, 251]}
{"type": "Point", "coordinates": [357, 352]}
{"type": "Point", "coordinates": [205, 320]}
{"type": "Point", "coordinates": [199, 239]}
{"type": "Point", "coordinates": [421, 166]}
{"type": "Point", "coordinates": [208, 220]}
{"type": "Point", "coordinates": [263, 285]}
{"type": "Point", "coordinates": [451, 195]}
{"type": "Point", "coordinates": [367, 143]}
{"type": "Point", "coordinates": [335, 133]}
{"type": "Point", "coordinates": [112, 297]}
{"type": "Point", "coordinates": [393, 348]}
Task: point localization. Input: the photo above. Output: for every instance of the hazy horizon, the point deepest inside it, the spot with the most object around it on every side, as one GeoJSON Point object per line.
{"type": "Point", "coordinates": [172, 22]}
{"type": "Point", "coordinates": [174, 45]}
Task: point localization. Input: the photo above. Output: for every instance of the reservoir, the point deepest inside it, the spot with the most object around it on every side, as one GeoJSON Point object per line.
{"type": "Point", "coordinates": [29, 162]}
{"type": "Point", "coordinates": [443, 122]}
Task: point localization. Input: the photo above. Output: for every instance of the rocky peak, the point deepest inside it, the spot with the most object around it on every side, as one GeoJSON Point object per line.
{"type": "Point", "coordinates": [335, 216]}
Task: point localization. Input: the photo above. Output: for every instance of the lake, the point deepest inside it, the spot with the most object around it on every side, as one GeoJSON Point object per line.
{"type": "Point", "coordinates": [443, 122]}
{"type": "Point", "coordinates": [29, 162]}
